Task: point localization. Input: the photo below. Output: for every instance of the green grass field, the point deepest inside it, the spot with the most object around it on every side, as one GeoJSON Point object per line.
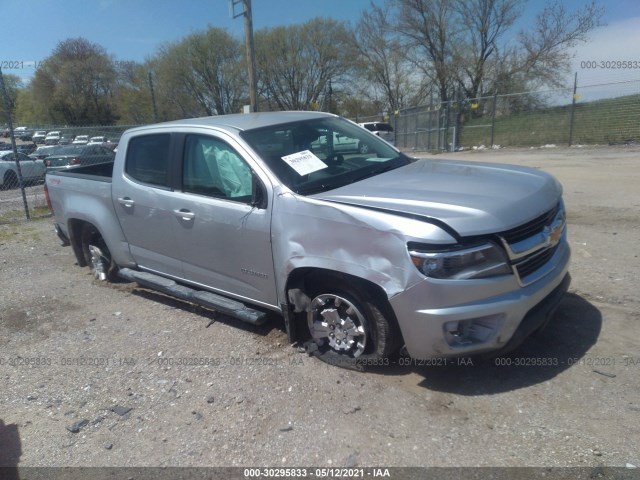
{"type": "Point", "coordinates": [596, 122]}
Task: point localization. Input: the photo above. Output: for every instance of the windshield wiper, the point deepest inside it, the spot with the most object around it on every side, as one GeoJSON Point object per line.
{"type": "Point", "coordinates": [310, 190]}
{"type": "Point", "coordinates": [374, 172]}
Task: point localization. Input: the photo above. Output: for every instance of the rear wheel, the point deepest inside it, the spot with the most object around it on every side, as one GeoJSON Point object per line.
{"type": "Point", "coordinates": [346, 323]}
{"type": "Point", "coordinates": [97, 255]}
{"type": "Point", "coordinates": [10, 180]}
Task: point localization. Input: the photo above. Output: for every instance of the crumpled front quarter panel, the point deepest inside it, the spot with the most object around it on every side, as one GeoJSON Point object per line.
{"type": "Point", "coordinates": [313, 233]}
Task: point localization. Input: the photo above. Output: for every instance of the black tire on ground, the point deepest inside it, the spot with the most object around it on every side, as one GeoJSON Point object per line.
{"type": "Point", "coordinates": [10, 180]}
{"type": "Point", "coordinates": [97, 254]}
{"type": "Point", "coordinates": [346, 321]}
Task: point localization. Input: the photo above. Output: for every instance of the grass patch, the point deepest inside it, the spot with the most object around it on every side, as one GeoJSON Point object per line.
{"type": "Point", "coordinates": [597, 122]}
{"type": "Point", "coordinates": [18, 215]}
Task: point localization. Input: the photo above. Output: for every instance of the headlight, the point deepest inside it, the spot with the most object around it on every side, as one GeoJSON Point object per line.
{"type": "Point", "coordinates": [482, 261]}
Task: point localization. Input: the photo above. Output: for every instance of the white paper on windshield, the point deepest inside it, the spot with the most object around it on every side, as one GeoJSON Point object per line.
{"type": "Point", "coordinates": [304, 162]}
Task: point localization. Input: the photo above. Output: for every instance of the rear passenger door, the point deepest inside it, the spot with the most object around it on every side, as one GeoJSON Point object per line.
{"type": "Point", "coordinates": [224, 240]}
{"type": "Point", "coordinates": [144, 202]}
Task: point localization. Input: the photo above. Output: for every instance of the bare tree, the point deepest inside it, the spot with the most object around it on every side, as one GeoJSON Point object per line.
{"type": "Point", "coordinates": [380, 59]}
{"type": "Point", "coordinates": [485, 22]}
{"type": "Point", "coordinates": [544, 49]}
{"type": "Point", "coordinates": [133, 96]}
{"type": "Point", "coordinates": [431, 32]}
{"type": "Point", "coordinates": [460, 44]}
{"type": "Point", "coordinates": [202, 74]}
{"type": "Point", "coordinates": [298, 63]}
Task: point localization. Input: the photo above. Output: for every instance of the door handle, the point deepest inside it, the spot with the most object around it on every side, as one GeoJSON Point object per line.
{"type": "Point", "coordinates": [184, 214]}
{"type": "Point", "coordinates": [126, 201]}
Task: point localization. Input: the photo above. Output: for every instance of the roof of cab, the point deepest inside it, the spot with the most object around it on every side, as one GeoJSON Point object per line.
{"type": "Point", "coordinates": [242, 121]}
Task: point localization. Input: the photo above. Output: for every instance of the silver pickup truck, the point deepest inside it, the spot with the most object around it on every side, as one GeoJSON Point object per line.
{"type": "Point", "coordinates": [362, 254]}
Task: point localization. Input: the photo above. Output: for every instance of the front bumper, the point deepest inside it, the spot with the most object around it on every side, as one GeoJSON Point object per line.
{"type": "Point", "coordinates": [471, 317]}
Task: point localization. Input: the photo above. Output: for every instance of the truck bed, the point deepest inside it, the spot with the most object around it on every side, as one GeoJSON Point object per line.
{"type": "Point", "coordinates": [101, 172]}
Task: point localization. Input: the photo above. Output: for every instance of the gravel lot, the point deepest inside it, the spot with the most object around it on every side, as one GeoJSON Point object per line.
{"type": "Point", "coordinates": [113, 375]}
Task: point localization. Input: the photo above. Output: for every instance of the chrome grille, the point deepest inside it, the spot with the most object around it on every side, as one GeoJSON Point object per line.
{"type": "Point", "coordinates": [534, 262]}
{"type": "Point", "coordinates": [531, 245]}
{"type": "Point", "coordinates": [531, 227]}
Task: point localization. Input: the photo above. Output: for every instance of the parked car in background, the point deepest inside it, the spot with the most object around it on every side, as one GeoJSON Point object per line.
{"type": "Point", "coordinates": [64, 141]}
{"type": "Point", "coordinates": [26, 148]}
{"type": "Point", "coordinates": [32, 170]}
{"type": "Point", "coordinates": [43, 152]}
{"type": "Point", "coordinates": [39, 137]}
{"type": "Point", "coordinates": [97, 140]}
{"type": "Point", "coordinates": [80, 140]}
{"type": "Point", "coordinates": [383, 130]}
{"type": "Point", "coordinates": [339, 143]}
{"type": "Point", "coordinates": [52, 138]}
{"type": "Point", "coordinates": [23, 133]}
{"type": "Point", "coordinates": [6, 132]}
{"type": "Point", "coordinates": [72, 155]}
{"type": "Point", "coordinates": [111, 144]}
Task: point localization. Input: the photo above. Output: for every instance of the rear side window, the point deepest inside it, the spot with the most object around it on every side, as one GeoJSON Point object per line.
{"type": "Point", "coordinates": [148, 159]}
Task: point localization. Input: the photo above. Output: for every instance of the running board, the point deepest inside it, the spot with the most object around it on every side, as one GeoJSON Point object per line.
{"type": "Point", "coordinates": [233, 308]}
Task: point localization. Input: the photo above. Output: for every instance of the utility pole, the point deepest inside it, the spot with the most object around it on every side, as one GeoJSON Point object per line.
{"type": "Point", "coordinates": [153, 98]}
{"type": "Point", "coordinates": [249, 47]}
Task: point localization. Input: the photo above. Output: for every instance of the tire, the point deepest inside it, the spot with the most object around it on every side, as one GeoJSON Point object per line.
{"type": "Point", "coordinates": [97, 254]}
{"type": "Point", "coordinates": [363, 148]}
{"type": "Point", "coordinates": [346, 323]}
{"type": "Point", "coordinates": [10, 180]}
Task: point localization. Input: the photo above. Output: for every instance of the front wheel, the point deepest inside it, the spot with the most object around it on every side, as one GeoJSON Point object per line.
{"type": "Point", "coordinates": [97, 255]}
{"type": "Point", "coordinates": [348, 324]}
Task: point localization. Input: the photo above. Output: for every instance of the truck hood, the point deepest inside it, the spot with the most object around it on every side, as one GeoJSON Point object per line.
{"type": "Point", "coordinates": [471, 198]}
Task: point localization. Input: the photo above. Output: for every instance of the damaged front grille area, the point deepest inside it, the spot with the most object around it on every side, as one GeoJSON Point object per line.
{"type": "Point", "coordinates": [532, 227]}
{"type": "Point", "coordinates": [531, 245]}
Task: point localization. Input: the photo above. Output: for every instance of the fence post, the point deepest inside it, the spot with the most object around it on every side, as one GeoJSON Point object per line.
{"type": "Point", "coordinates": [573, 108]}
{"type": "Point", "coordinates": [429, 123]}
{"type": "Point", "coordinates": [493, 116]}
{"type": "Point", "coordinates": [445, 139]}
{"type": "Point", "coordinates": [7, 107]}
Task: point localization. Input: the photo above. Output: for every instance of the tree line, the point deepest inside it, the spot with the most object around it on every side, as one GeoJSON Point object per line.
{"type": "Point", "coordinates": [399, 53]}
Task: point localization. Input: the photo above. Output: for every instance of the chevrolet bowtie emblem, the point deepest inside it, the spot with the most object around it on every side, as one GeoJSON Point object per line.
{"type": "Point", "coordinates": [553, 233]}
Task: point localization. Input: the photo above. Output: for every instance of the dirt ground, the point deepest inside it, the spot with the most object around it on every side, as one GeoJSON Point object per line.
{"type": "Point", "coordinates": [112, 375]}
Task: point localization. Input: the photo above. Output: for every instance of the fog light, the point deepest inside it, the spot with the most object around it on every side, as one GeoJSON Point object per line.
{"type": "Point", "coordinates": [461, 333]}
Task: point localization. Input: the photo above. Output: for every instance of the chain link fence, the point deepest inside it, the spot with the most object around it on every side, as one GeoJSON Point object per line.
{"type": "Point", "coordinates": [43, 148]}
{"type": "Point", "coordinates": [593, 114]}
{"type": "Point", "coordinates": [599, 113]}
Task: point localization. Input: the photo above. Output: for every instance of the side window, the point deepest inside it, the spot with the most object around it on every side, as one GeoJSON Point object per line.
{"type": "Point", "coordinates": [148, 159]}
{"type": "Point", "coordinates": [213, 168]}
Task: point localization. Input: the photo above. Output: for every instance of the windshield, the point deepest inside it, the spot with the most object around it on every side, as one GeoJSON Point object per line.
{"type": "Point", "coordinates": [314, 156]}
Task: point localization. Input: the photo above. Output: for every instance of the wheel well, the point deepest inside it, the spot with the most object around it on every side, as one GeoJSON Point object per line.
{"type": "Point", "coordinates": [302, 278]}
{"type": "Point", "coordinates": [75, 238]}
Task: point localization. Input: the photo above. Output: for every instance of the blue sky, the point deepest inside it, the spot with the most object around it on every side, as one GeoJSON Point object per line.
{"type": "Point", "coordinates": [134, 29]}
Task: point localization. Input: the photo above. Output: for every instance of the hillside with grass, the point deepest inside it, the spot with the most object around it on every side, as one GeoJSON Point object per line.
{"type": "Point", "coordinates": [615, 120]}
